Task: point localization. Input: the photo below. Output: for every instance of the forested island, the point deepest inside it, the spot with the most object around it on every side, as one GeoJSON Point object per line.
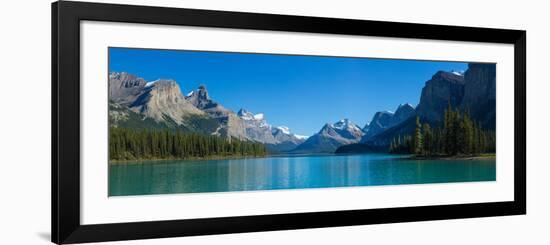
{"type": "Point", "coordinates": [459, 136]}
{"type": "Point", "coordinates": [130, 144]}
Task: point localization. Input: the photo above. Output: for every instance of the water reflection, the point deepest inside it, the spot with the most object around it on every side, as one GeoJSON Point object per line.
{"type": "Point", "coordinates": [158, 177]}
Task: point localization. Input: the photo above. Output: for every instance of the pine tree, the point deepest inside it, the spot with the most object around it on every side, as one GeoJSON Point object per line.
{"type": "Point", "coordinates": [427, 139]}
{"type": "Point", "coordinates": [126, 144]}
{"type": "Point", "coordinates": [417, 145]}
{"type": "Point", "coordinates": [459, 134]}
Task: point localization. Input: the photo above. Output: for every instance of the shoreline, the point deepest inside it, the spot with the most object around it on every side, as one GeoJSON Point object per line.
{"type": "Point", "coordinates": [219, 158]}
{"type": "Point", "coordinates": [184, 159]}
{"type": "Point", "coordinates": [399, 156]}
{"type": "Point", "coordinates": [468, 158]}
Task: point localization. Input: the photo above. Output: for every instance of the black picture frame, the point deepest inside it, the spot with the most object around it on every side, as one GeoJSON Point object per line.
{"type": "Point", "coordinates": [65, 167]}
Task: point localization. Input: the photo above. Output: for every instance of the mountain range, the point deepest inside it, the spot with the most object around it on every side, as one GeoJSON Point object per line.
{"type": "Point", "coordinates": [330, 137]}
{"type": "Point", "coordinates": [383, 120]}
{"type": "Point", "coordinates": [137, 103]}
{"type": "Point", "coordinates": [472, 91]}
{"type": "Point", "coordinates": [276, 139]}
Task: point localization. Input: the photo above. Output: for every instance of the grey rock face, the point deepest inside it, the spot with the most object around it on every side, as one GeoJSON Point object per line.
{"type": "Point", "coordinates": [200, 99]}
{"type": "Point", "coordinates": [231, 124]}
{"type": "Point", "coordinates": [473, 91]}
{"type": "Point", "coordinates": [117, 113]}
{"type": "Point", "coordinates": [480, 93]}
{"type": "Point", "coordinates": [159, 100]}
{"type": "Point", "coordinates": [330, 137]}
{"type": "Point", "coordinates": [443, 89]}
{"type": "Point", "coordinates": [282, 134]}
{"type": "Point", "coordinates": [257, 129]}
{"type": "Point", "coordinates": [124, 88]}
{"type": "Point", "coordinates": [162, 99]}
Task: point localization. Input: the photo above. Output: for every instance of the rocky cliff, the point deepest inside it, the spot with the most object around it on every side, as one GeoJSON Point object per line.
{"type": "Point", "coordinates": [442, 89]}
{"type": "Point", "coordinates": [230, 124]}
{"type": "Point", "coordinates": [277, 139]}
{"type": "Point", "coordinates": [162, 99]}
{"type": "Point", "coordinates": [480, 93]}
{"type": "Point", "coordinates": [124, 88]}
{"type": "Point", "coordinates": [473, 91]}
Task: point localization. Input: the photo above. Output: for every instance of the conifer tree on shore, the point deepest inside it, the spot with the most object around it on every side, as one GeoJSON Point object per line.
{"type": "Point", "coordinates": [459, 135]}
{"type": "Point", "coordinates": [128, 144]}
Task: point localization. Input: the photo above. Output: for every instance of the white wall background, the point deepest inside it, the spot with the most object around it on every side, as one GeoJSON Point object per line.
{"type": "Point", "coordinates": [25, 121]}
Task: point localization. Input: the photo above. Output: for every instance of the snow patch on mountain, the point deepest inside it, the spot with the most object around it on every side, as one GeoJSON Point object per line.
{"type": "Point", "coordinates": [259, 116]}
{"type": "Point", "coordinates": [458, 73]}
{"type": "Point", "coordinates": [302, 137]}
{"type": "Point", "coordinates": [284, 129]}
{"type": "Point", "coordinates": [149, 84]}
{"type": "Point", "coordinates": [259, 130]}
{"type": "Point", "coordinates": [345, 124]}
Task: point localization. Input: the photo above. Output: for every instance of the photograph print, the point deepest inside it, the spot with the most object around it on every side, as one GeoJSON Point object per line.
{"type": "Point", "coordinates": [184, 121]}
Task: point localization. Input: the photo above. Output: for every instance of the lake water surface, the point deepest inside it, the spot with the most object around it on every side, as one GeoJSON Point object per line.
{"type": "Point", "coordinates": [289, 172]}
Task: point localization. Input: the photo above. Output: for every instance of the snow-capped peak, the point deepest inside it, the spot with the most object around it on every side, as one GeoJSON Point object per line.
{"type": "Point", "coordinates": [341, 124]}
{"type": "Point", "coordinates": [345, 124]}
{"type": "Point", "coordinates": [302, 137]}
{"type": "Point", "coordinates": [258, 122]}
{"type": "Point", "coordinates": [245, 115]}
{"type": "Point", "coordinates": [259, 116]}
{"type": "Point", "coordinates": [284, 129]}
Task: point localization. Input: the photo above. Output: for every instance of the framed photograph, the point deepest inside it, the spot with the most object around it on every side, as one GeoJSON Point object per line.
{"type": "Point", "coordinates": [176, 122]}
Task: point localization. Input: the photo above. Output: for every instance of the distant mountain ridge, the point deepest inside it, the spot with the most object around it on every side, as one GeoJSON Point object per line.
{"type": "Point", "coordinates": [230, 123]}
{"type": "Point", "coordinates": [137, 103]}
{"type": "Point", "coordinates": [472, 91]}
{"type": "Point", "coordinates": [330, 137]}
{"type": "Point", "coordinates": [277, 139]}
{"type": "Point", "coordinates": [383, 120]}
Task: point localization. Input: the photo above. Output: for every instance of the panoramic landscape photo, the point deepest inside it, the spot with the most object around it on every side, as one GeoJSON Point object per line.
{"type": "Point", "coordinates": [199, 121]}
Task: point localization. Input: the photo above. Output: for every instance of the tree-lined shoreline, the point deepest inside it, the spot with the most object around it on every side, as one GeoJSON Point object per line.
{"type": "Point", "coordinates": [460, 136]}
{"type": "Point", "coordinates": [128, 144]}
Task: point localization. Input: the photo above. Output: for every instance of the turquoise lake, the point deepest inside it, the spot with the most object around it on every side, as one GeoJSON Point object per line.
{"type": "Point", "coordinates": [289, 172]}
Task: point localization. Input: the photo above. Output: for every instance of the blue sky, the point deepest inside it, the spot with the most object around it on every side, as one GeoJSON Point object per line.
{"type": "Point", "coordinates": [301, 92]}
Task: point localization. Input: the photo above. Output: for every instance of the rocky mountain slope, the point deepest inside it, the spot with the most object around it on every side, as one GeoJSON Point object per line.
{"type": "Point", "coordinates": [163, 99]}
{"type": "Point", "coordinates": [136, 103]}
{"type": "Point", "coordinates": [473, 91]}
{"type": "Point", "coordinates": [480, 93]}
{"type": "Point", "coordinates": [383, 120]}
{"type": "Point", "coordinates": [277, 139]}
{"type": "Point", "coordinates": [330, 137]}
{"type": "Point", "coordinates": [160, 100]}
{"type": "Point", "coordinates": [124, 88]}
{"type": "Point", "coordinates": [442, 89]}
{"type": "Point", "coordinates": [230, 124]}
